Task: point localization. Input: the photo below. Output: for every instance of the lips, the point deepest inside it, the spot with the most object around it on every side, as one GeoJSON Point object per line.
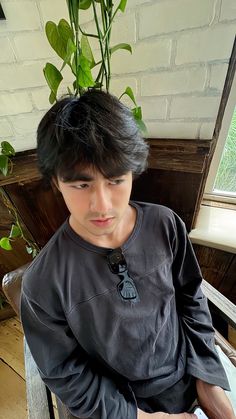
{"type": "Point", "coordinates": [103, 222]}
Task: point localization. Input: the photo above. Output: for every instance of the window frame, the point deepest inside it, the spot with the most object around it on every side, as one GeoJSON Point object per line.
{"type": "Point", "coordinates": [226, 197]}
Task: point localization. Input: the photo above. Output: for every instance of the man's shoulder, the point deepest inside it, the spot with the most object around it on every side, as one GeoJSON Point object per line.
{"type": "Point", "coordinates": [46, 262]}
{"type": "Point", "coordinates": [156, 211]}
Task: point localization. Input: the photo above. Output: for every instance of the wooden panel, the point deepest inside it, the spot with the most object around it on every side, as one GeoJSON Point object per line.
{"type": "Point", "coordinates": [41, 207]}
{"type": "Point", "coordinates": [24, 169]}
{"type": "Point", "coordinates": [12, 394]}
{"type": "Point", "coordinates": [10, 260]}
{"type": "Point", "coordinates": [178, 191]}
{"type": "Point", "coordinates": [179, 155]}
{"type": "Point", "coordinates": [218, 268]}
{"type": "Point", "coordinates": [228, 283]}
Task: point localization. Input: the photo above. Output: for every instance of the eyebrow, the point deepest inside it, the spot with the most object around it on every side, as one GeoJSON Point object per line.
{"type": "Point", "coordinates": [81, 177]}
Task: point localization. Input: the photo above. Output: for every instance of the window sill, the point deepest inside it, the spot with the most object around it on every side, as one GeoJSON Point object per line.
{"type": "Point", "coordinates": [215, 227]}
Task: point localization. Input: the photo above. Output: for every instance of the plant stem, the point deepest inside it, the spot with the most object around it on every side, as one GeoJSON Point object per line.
{"type": "Point", "coordinates": [91, 35]}
{"type": "Point", "coordinates": [103, 66]}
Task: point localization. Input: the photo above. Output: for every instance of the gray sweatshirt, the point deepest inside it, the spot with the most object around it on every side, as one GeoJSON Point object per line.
{"type": "Point", "coordinates": [101, 354]}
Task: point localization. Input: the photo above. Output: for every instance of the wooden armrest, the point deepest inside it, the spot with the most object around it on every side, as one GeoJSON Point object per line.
{"type": "Point", "coordinates": [39, 399]}
{"type": "Point", "coordinates": [226, 309]}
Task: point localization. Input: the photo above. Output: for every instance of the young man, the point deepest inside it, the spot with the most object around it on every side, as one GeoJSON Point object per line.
{"type": "Point", "coordinates": [112, 307]}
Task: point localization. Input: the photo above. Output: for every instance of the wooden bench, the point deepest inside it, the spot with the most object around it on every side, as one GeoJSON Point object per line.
{"type": "Point", "coordinates": [39, 398]}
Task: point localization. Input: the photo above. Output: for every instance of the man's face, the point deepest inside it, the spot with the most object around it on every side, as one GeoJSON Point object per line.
{"type": "Point", "coordinates": [98, 206]}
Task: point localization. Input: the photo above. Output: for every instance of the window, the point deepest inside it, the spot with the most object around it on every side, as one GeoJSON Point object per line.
{"type": "Point", "coordinates": [221, 182]}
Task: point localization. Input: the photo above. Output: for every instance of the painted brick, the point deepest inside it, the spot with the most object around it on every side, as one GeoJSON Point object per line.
{"type": "Point", "coordinates": [228, 10]}
{"type": "Point", "coordinates": [5, 129]}
{"type": "Point", "coordinates": [134, 3]}
{"type": "Point", "coordinates": [40, 98]}
{"type": "Point", "coordinates": [7, 54]}
{"type": "Point", "coordinates": [50, 11]}
{"type": "Point", "coordinates": [32, 46]}
{"type": "Point", "coordinates": [26, 124]}
{"type": "Point", "coordinates": [17, 76]}
{"type": "Point", "coordinates": [206, 45]}
{"type": "Point", "coordinates": [174, 82]}
{"type": "Point", "coordinates": [55, 13]}
{"type": "Point", "coordinates": [118, 86]}
{"type": "Point", "coordinates": [15, 103]}
{"type": "Point", "coordinates": [20, 16]}
{"type": "Point", "coordinates": [153, 107]}
{"type": "Point", "coordinates": [182, 130]}
{"type": "Point", "coordinates": [146, 55]}
{"type": "Point", "coordinates": [171, 16]}
{"type": "Point", "coordinates": [218, 74]}
{"type": "Point", "coordinates": [124, 29]}
{"type": "Point", "coordinates": [206, 131]}
{"type": "Point", "coordinates": [25, 142]}
{"type": "Point", "coordinates": [194, 107]}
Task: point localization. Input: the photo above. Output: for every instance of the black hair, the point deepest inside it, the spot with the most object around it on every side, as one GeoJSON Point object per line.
{"type": "Point", "coordinates": [96, 130]}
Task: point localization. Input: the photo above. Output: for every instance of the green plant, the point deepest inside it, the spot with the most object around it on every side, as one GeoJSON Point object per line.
{"type": "Point", "coordinates": [71, 43]}
{"type": "Point", "coordinates": [6, 167]}
{"type": "Point", "coordinates": [6, 152]}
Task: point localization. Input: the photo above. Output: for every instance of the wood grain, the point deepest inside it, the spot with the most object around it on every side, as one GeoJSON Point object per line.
{"type": "Point", "coordinates": [12, 394]}
{"type": "Point", "coordinates": [11, 345]}
{"type": "Point", "coordinates": [218, 268]}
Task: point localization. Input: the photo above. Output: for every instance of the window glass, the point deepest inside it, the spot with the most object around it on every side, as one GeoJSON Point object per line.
{"type": "Point", "coordinates": [225, 182]}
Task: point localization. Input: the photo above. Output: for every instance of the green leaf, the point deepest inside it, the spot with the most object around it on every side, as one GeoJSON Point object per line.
{"type": "Point", "coordinates": [121, 46]}
{"type": "Point", "coordinates": [15, 232]}
{"type": "Point", "coordinates": [87, 51]}
{"type": "Point", "coordinates": [137, 112]}
{"type": "Point", "coordinates": [4, 161]}
{"type": "Point", "coordinates": [7, 148]}
{"type": "Point", "coordinates": [65, 31]}
{"type": "Point", "coordinates": [129, 92]}
{"type": "Point", "coordinates": [55, 39]}
{"type": "Point", "coordinates": [29, 249]}
{"type": "Point", "coordinates": [5, 243]}
{"type": "Point", "coordinates": [70, 49]}
{"type": "Point", "coordinates": [84, 77]}
{"type": "Point", "coordinates": [122, 5]}
{"type": "Point", "coordinates": [142, 127]}
{"type": "Point", "coordinates": [84, 4]}
{"type": "Point", "coordinates": [53, 78]}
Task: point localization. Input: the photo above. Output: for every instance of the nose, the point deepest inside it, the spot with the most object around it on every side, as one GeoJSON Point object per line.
{"type": "Point", "coordinates": [100, 200]}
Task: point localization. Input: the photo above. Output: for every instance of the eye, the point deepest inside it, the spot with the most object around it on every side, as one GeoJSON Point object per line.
{"type": "Point", "coordinates": [80, 186]}
{"type": "Point", "coordinates": [116, 181]}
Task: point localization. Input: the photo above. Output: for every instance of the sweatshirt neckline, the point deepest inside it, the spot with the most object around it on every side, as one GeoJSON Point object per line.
{"type": "Point", "coordinates": [103, 250]}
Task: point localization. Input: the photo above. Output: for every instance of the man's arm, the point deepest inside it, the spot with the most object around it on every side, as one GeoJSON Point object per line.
{"type": "Point", "coordinates": [214, 401]}
{"type": "Point", "coordinates": [65, 368]}
{"type": "Point", "coordinates": [202, 359]}
{"type": "Point", "coordinates": [162, 415]}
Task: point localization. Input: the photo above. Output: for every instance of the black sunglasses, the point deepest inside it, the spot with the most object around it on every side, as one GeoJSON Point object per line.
{"type": "Point", "coordinates": [118, 266]}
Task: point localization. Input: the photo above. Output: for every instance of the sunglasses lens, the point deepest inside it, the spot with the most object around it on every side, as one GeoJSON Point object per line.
{"type": "Point", "coordinates": [127, 290]}
{"type": "Point", "coordinates": [116, 261]}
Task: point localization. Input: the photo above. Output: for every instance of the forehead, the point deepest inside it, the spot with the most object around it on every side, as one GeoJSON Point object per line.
{"type": "Point", "coordinates": [86, 173]}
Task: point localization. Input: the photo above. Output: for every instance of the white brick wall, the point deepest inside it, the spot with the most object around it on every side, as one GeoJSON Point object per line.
{"type": "Point", "coordinates": [181, 50]}
{"type": "Point", "coordinates": [172, 16]}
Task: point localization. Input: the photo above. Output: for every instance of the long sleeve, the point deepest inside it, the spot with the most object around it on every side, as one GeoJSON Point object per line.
{"type": "Point", "coordinates": [65, 367]}
{"type": "Point", "coordinates": [202, 359]}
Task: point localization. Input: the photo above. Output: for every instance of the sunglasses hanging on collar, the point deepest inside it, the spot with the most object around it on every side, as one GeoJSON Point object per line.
{"type": "Point", "coordinates": [126, 287]}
